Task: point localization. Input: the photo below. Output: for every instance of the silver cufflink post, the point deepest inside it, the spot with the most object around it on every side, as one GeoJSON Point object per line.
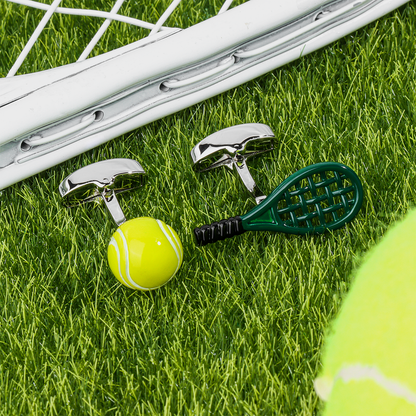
{"type": "Point", "coordinates": [231, 147]}
{"type": "Point", "coordinates": [103, 181]}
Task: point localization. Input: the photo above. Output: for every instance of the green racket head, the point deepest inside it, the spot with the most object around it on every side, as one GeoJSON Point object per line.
{"type": "Point", "coordinates": [320, 197]}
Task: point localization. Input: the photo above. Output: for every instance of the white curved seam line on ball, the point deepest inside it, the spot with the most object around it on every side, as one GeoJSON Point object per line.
{"type": "Point", "coordinates": [363, 373]}
{"type": "Point", "coordinates": [161, 226]}
{"type": "Point", "coordinates": [126, 250]}
{"type": "Point", "coordinates": [178, 245]}
{"type": "Point", "coordinates": [171, 243]}
{"type": "Point", "coordinates": [113, 243]}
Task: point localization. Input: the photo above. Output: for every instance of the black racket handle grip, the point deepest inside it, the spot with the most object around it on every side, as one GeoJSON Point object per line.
{"type": "Point", "coordinates": [217, 231]}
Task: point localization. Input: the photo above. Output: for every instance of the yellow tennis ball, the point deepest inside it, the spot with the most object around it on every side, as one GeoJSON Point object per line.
{"type": "Point", "coordinates": [369, 360]}
{"type": "Point", "coordinates": [144, 253]}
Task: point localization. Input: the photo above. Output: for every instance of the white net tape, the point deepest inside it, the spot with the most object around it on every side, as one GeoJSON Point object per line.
{"type": "Point", "coordinates": [108, 16]}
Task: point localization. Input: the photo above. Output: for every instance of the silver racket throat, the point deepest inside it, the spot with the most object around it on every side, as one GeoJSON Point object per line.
{"type": "Point", "coordinates": [51, 116]}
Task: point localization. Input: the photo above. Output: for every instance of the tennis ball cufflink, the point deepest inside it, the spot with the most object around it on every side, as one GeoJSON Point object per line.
{"type": "Point", "coordinates": [143, 253]}
{"type": "Point", "coordinates": [321, 197]}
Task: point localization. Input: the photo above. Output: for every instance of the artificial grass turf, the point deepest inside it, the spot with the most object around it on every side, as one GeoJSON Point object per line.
{"type": "Point", "coordinates": [240, 328]}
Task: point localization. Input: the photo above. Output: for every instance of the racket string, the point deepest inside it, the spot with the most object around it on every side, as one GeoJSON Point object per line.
{"type": "Point", "coordinates": [51, 10]}
{"type": "Point", "coordinates": [315, 204]}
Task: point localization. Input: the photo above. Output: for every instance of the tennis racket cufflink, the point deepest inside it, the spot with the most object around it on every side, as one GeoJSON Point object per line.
{"type": "Point", "coordinates": [321, 197]}
{"type": "Point", "coordinates": [143, 253]}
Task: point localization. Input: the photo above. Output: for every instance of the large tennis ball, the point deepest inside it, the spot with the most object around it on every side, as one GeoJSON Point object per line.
{"type": "Point", "coordinates": [369, 361]}
{"type": "Point", "coordinates": [144, 253]}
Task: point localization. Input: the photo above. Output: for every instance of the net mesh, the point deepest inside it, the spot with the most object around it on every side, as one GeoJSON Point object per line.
{"type": "Point", "coordinates": [60, 28]}
{"type": "Point", "coordinates": [317, 200]}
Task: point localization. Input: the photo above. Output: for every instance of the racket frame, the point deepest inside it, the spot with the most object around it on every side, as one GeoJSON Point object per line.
{"type": "Point", "coordinates": [265, 217]}
{"type": "Point", "coordinates": [135, 90]}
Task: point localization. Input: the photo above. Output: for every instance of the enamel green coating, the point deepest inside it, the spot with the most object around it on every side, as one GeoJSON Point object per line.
{"type": "Point", "coordinates": [320, 197]}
